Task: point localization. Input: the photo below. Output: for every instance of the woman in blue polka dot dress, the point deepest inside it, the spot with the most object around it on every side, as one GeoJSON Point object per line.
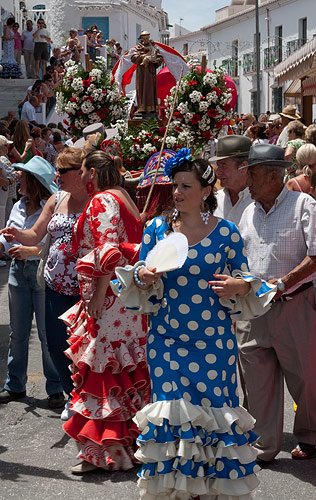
{"type": "Point", "coordinates": [195, 439]}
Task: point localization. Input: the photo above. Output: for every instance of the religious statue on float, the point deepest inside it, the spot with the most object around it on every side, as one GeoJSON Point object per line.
{"type": "Point", "coordinates": [148, 58]}
{"type": "Point", "coordinates": [145, 58]}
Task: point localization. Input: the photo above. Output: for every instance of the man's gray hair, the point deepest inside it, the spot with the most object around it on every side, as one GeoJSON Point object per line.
{"type": "Point", "coordinates": [274, 168]}
{"type": "Point", "coordinates": [239, 160]}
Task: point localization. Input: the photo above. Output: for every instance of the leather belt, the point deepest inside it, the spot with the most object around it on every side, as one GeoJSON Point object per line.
{"type": "Point", "coordinates": [289, 296]}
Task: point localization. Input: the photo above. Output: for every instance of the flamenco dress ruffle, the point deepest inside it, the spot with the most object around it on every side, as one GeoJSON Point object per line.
{"type": "Point", "coordinates": [189, 450]}
{"type": "Point", "coordinates": [110, 374]}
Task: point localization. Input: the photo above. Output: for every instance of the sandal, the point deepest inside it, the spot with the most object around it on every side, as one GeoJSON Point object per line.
{"type": "Point", "coordinates": [304, 451]}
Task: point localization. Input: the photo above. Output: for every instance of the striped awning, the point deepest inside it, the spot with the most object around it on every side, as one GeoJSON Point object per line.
{"type": "Point", "coordinates": [294, 90]}
{"type": "Point", "coordinates": [300, 64]}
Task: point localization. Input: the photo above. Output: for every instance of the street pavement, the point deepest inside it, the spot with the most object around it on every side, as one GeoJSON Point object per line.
{"type": "Point", "coordinates": [36, 455]}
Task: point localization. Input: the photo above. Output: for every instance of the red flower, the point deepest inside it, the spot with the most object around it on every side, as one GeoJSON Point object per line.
{"type": "Point", "coordinates": [212, 113]}
{"type": "Point", "coordinates": [162, 130]}
{"type": "Point", "coordinates": [86, 83]}
{"type": "Point", "coordinates": [219, 124]}
{"type": "Point", "coordinates": [196, 119]}
{"type": "Point", "coordinates": [206, 135]}
{"type": "Point", "coordinates": [217, 90]}
{"type": "Point", "coordinates": [227, 107]}
{"type": "Point", "coordinates": [192, 83]}
{"type": "Point", "coordinates": [72, 99]}
{"type": "Point", "coordinates": [65, 122]}
{"type": "Point", "coordinates": [178, 129]}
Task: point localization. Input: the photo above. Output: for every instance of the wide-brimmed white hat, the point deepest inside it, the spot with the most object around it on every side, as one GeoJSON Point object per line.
{"type": "Point", "coordinates": [4, 141]}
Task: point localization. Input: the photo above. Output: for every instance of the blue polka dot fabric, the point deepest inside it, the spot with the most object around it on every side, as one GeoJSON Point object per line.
{"type": "Point", "coordinates": [194, 434]}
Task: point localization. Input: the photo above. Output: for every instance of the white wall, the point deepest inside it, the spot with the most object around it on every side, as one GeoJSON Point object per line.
{"type": "Point", "coordinates": [219, 37]}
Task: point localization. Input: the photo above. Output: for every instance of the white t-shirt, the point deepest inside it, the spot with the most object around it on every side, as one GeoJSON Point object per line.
{"type": "Point", "coordinates": [28, 112]}
{"type": "Point", "coordinates": [43, 32]}
{"type": "Point", "coordinates": [27, 37]}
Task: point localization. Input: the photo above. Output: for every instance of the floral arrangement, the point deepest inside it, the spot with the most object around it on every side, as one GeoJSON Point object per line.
{"type": "Point", "coordinates": [138, 145]}
{"type": "Point", "coordinates": [203, 106]}
{"type": "Point", "coordinates": [89, 97]}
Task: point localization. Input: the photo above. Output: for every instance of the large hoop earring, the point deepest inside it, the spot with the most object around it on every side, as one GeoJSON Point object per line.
{"type": "Point", "coordinates": [205, 212]}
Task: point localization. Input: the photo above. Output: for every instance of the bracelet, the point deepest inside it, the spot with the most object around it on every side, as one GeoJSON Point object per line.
{"type": "Point", "coordinates": [136, 278]}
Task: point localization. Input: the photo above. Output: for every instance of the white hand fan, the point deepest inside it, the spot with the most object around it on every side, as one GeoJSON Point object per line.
{"type": "Point", "coordinates": [169, 253]}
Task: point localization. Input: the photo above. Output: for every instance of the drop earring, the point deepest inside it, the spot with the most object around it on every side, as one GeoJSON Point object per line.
{"type": "Point", "coordinates": [175, 215]}
{"type": "Point", "coordinates": [205, 215]}
{"type": "Point", "coordinates": [90, 188]}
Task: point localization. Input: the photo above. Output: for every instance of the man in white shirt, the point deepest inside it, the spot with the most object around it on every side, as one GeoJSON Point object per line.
{"type": "Point", "coordinates": [289, 113]}
{"type": "Point", "coordinates": [232, 153]}
{"type": "Point", "coordinates": [279, 233]}
{"type": "Point", "coordinates": [28, 49]}
{"type": "Point", "coordinates": [29, 110]}
{"type": "Point", "coordinates": [41, 39]}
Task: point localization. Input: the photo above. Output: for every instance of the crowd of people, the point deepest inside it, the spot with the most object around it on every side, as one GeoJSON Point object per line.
{"type": "Point", "coordinates": [143, 362]}
{"type": "Point", "coordinates": [249, 269]}
{"type": "Point", "coordinates": [41, 57]}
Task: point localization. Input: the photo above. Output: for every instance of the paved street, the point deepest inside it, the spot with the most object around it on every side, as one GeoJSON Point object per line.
{"type": "Point", "coordinates": [35, 454]}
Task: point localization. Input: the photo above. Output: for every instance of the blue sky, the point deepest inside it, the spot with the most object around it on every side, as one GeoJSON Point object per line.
{"type": "Point", "coordinates": [195, 13]}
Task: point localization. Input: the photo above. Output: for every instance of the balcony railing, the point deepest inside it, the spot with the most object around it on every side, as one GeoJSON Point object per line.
{"type": "Point", "coordinates": [249, 63]}
{"type": "Point", "coordinates": [293, 45]}
{"type": "Point", "coordinates": [272, 56]}
{"type": "Point", "coordinates": [231, 67]}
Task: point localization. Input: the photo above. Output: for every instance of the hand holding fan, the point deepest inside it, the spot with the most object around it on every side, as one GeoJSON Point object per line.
{"type": "Point", "coordinates": [169, 253]}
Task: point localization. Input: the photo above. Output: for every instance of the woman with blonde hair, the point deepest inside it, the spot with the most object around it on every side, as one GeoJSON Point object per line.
{"type": "Point", "coordinates": [61, 285]}
{"type": "Point", "coordinates": [306, 160]}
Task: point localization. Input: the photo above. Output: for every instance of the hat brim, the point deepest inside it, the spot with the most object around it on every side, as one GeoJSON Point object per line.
{"type": "Point", "coordinates": [234, 155]}
{"type": "Point", "coordinates": [79, 143]}
{"type": "Point", "coordinates": [278, 163]}
{"type": "Point", "coordinates": [290, 117]}
{"type": "Point", "coordinates": [109, 133]}
{"type": "Point", "coordinates": [52, 187]}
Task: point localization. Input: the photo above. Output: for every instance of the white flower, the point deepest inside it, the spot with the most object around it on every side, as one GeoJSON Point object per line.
{"type": "Point", "coordinates": [195, 96]}
{"type": "Point", "coordinates": [96, 74]}
{"type": "Point", "coordinates": [203, 106]}
{"type": "Point", "coordinates": [77, 84]}
{"type": "Point", "coordinates": [87, 107]}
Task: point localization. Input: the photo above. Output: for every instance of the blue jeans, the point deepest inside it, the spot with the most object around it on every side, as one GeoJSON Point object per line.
{"type": "Point", "coordinates": [25, 298]}
{"type": "Point", "coordinates": [56, 331]}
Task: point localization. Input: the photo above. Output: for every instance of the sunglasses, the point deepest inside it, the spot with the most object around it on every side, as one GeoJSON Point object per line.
{"type": "Point", "coordinates": [63, 171]}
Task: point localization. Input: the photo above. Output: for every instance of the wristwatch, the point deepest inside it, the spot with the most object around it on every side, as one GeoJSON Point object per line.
{"type": "Point", "coordinates": [280, 285]}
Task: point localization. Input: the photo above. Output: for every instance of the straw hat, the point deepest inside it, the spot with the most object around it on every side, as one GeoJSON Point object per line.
{"type": "Point", "coordinates": [290, 112]}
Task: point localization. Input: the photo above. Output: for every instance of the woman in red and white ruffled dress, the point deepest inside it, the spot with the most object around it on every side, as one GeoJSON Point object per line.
{"type": "Point", "coordinates": [107, 343]}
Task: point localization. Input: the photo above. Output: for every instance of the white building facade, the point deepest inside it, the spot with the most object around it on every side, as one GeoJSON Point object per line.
{"type": "Point", "coordinates": [122, 20]}
{"type": "Point", "coordinates": [284, 25]}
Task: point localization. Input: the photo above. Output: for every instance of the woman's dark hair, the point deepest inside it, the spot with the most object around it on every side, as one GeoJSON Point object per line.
{"type": "Point", "coordinates": [56, 137]}
{"type": "Point", "coordinates": [35, 190]}
{"type": "Point", "coordinates": [199, 168]}
{"type": "Point", "coordinates": [258, 131]}
{"type": "Point", "coordinates": [106, 167]}
{"type": "Point", "coordinates": [10, 21]}
{"type": "Point", "coordinates": [37, 86]}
